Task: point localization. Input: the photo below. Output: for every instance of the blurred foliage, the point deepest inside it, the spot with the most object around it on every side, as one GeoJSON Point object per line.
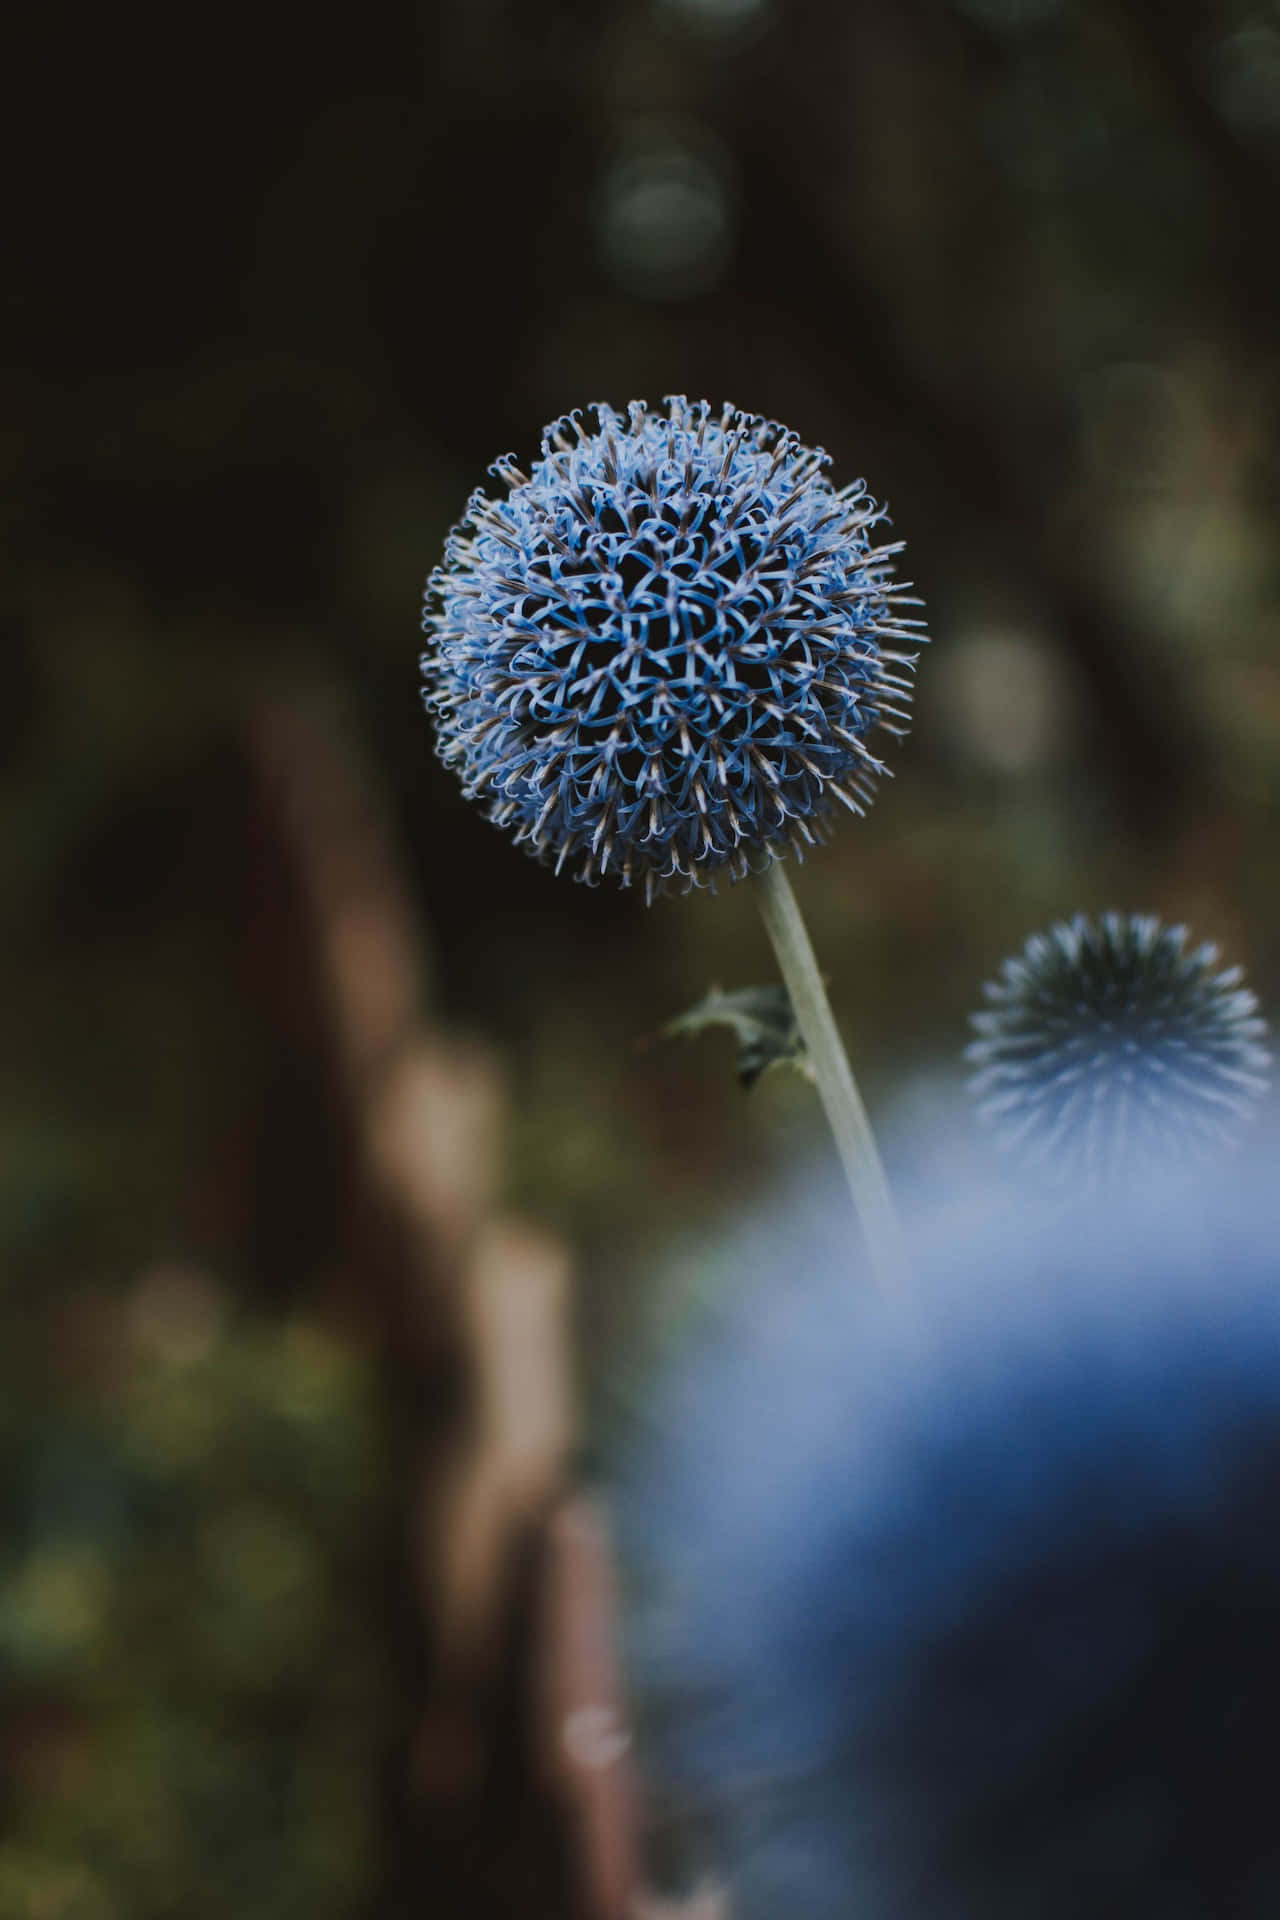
{"type": "Point", "coordinates": [195, 1702]}
{"type": "Point", "coordinates": [275, 302]}
{"type": "Point", "coordinates": [762, 1022]}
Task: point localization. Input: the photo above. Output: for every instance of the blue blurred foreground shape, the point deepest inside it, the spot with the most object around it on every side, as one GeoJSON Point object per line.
{"type": "Point", "coordinates": [973, 1612]}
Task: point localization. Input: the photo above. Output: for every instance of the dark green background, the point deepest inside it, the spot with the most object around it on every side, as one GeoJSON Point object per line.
{"type": "Point", "coordinates": [279, 285]}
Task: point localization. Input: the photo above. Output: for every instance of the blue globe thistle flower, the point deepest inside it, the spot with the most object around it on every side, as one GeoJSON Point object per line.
{"type": "Point", "coordinates": [662, 655]}
{"type": "Point", "coordinates": [982, 1618]}
{"type": "Point", "coordinates": [1109, 1045]}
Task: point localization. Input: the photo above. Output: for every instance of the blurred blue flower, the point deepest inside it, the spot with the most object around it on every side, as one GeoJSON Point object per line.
{"type": "Point", "coordinates": [662, 655]}
{"type": "Point", "coordinates": [971, 1610]}
{"type": "Point", "coordinates": [1109, 1046]}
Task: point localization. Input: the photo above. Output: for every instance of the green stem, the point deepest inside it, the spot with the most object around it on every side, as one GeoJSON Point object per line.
{"type": "Point", "coordinates": [836, 1084]}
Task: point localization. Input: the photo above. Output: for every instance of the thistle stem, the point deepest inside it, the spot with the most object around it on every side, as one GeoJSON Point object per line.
{"type": "Point", "coordinates": [837, 1087]}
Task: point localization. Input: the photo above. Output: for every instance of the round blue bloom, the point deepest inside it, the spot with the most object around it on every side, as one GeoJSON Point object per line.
{"type": "Point", "coordinates": [662, 655]}
{"type": "Point", "coordinates": [971, 1610]}
{"type": "Point", "coordinates": [1108, 1046]}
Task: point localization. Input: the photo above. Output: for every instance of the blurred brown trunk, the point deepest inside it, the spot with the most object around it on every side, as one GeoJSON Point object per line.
{"type": "Point", "coordinates": [471, 1308]}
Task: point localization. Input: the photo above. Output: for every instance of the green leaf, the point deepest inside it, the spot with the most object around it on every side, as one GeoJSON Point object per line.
{"type": "Point", "coordinates": [762, 1021]}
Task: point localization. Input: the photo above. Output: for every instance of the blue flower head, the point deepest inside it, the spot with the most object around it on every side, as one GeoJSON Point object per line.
{"type": "Point", "coordinates": [1108, 1047]}
{"type": "Point", "coordinates": [662, 655]}
{"type": "Point", "coordinates": [980, 1617]}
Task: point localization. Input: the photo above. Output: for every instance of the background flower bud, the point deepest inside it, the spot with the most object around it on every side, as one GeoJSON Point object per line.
{"type": "Point", "coordinates": [1108, 1047]}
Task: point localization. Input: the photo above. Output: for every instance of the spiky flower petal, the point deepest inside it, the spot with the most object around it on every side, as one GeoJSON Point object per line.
{"type": "Point", "coordinates": [662, 654]}
{"type": "Point", "coordinates": [1108, 1046]}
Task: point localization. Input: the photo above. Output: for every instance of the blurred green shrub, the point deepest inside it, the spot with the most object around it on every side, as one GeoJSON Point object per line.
{"type": "Point", "coordinates": [187, 1632]}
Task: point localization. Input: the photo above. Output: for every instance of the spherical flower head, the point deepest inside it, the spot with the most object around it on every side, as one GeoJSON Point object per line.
{"type": "Point", "coordinates": [1109, 1047]}
{"type": "Point", "coordinates": [662, 655]}
{"type": "Point", "coordinates": [981, 1619]}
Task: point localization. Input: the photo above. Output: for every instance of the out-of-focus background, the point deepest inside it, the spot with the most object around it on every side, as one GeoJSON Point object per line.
{"type": "Point", "coordinates": [339, 1147]}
